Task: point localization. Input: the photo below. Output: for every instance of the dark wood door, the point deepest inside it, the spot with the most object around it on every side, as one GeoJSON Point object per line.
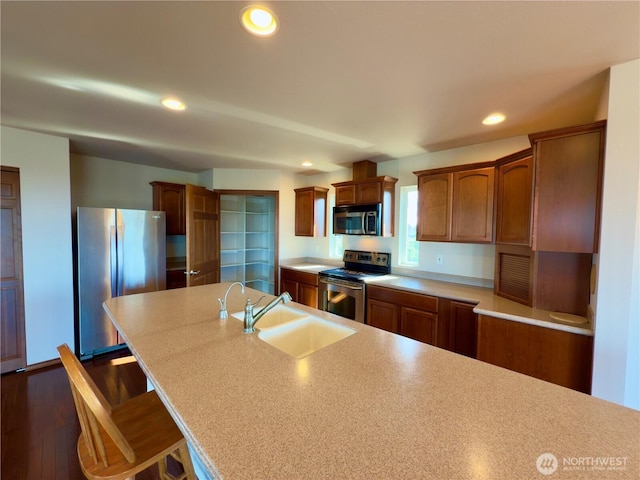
{"type": "Point", "coordinates": [308, 295]}
{"type": "Point", "coordinates": [169, 197]}
{"type": "Point", "coordinates": [291, 286]}
{"type": "Point", "coordinates": [419, 325]}
{"type": "Point", "coordinates": [472, 210]}
{"type": "Point", "coordinates": [568, 183]}
{"type": "Point", "coordinates": [382, 315]}
{"type": "Point", "coordinates": [464, 329]}
{"type": "Point", "coordinates": [513, 218]}
{"type": "Point", "coordinates": [12, 333]}
{"type": "Point", "coordinates": [203, 236]}
{"type": "Point", "coordinates": [434, 207]}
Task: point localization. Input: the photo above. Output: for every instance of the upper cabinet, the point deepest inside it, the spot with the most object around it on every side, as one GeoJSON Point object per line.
{"type": "Point", "coordinates": [456, 204]}
{"type": "Point", "coordinates": [366, 188]}
{"type": "Point", "coordinates": [311, 212]}
{"type": "Point", "coordinates": [568, 188]}
{"type": "Point", "coordinates": [365, 192]}
{"type": "Point", "coordinates": [435, 193]}
{"type": "Point", "coordinates": [170, 198]}
{"type": "Point", "coordinates": [514, 187]}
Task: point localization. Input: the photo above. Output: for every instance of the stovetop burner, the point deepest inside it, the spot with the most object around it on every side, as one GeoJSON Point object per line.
{"type": "Point", "coordinates": [360, 265]}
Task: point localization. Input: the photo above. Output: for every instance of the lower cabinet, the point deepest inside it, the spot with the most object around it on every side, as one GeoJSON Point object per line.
{"type": "Point", "coordinates": [410, 314]}
{"type": "Point", "coordinates": [463, 329]}
{"type": "Point", "coordinates": [558, 357]}
{"type": "Point", "coordinates": [303, 286]}
{"type": "Point", "coordinates": [176, 279]}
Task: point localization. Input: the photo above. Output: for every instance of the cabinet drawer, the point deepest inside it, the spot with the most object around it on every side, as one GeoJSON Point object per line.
{"type": "Point", "coordinates": [298, 276]}
{"type": "Point", "coordinates": [407, 299]}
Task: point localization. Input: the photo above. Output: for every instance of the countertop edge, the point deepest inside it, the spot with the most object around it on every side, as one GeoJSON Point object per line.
{"type": "Point", "coordinates": [481, 296]}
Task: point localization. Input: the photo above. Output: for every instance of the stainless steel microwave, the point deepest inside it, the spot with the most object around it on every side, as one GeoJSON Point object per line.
{"type": "Point", "coordinates": [357, 220]}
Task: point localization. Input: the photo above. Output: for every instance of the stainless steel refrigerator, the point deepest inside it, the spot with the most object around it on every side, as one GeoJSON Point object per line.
{"type": "Point", "coordinates": [120, 252]}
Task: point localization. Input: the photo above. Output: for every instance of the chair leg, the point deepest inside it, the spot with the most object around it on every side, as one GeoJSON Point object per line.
{"type": "Point", "coordinates": [185, 459]}
{"type": "Point", "coordinates": [162, 469]}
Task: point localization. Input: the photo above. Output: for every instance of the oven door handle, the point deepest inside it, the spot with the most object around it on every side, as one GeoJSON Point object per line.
{"type": "Point", "coordinates": [350, 287]}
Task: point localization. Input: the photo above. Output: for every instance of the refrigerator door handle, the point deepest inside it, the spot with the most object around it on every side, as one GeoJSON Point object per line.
{"type": "Point", "coordinates": [113, 258]}
{"type": "Point", "coordinates": [120, 277]}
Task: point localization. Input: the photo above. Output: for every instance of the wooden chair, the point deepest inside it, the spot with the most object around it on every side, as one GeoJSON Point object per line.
{"type": "Point", "coordinates": [119, 441]}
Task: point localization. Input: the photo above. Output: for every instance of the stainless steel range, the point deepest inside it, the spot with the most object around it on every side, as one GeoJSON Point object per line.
{"type": "Point", "coordinates": [342, 291]}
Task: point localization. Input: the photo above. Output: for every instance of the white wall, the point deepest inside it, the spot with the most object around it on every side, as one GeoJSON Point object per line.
{"type": "Point", "coordinates": [289, 246]}
{"type": "Point", "coordinates": [43, 161]}
{"type": "Point", "coordinates": [472, 261]}
{"type": "Point", "coordinates": [98, 182]}
{"type": "Point", "coordinates": [616, 366]}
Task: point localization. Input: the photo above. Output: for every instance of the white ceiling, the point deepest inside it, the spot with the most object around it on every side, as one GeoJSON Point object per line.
{"type": "Point", "coordinates": [339, 82]}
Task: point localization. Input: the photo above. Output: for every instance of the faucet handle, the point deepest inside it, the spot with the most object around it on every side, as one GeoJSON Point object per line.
{"type": "Point", "coordinates": [249, 304]}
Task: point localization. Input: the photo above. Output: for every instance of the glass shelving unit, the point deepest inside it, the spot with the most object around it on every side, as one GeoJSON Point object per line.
{"type": "Point", "coordinates": [247, 240]}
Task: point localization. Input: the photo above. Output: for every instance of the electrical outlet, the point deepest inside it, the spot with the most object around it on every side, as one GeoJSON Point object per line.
{"type": "Point", "coordinates": [439, 259]}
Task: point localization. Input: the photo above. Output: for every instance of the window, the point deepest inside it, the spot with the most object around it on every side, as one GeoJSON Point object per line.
{"type": "Point", "coordinates": [335, 241]}
{"type": "Point", "coordinates": [409, 247]}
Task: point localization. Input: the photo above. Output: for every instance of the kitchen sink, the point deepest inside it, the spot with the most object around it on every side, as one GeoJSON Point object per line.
{"type": "Point", "coordinates": [304, 336]}
{"type": "Point", "coordinates": [276, 316]}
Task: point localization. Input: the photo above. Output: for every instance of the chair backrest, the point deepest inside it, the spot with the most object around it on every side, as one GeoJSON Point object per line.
{"type": "Point", "coordinates": [94, 410]}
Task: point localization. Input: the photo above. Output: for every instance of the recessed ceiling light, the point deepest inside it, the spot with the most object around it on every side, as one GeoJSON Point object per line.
{"type": "Point", "coordinates": [307, 164]}
{"type": "Point", "coordinates": [259, 21]}
{"type": "Point", "coordinates": [173, 104]}
{"type": "Point", "coordinates": [493, 119]}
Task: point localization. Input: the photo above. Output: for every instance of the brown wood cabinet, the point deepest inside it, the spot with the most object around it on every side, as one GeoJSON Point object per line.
{"type": "Point", "coordinates": [463, 329]}
{"type": "Point", "coordinates": [176, 279]}
{"type": "Point", "coordinates": [435, 193]}
{"type": "Point", "coordinates": [170, 198]}
{"type": "Point", "coordinates": [514, 198]}
{"type": "Point", "coordinates": [568, 188]}
{"type": "Point", "coordinates": [311, 212]}
{"type": "Point", "coordinates": [456, 204]}
{"type": "Point", "coordinates": [410, 314]}
{"type": "Point", "coordinates": [302, 286]}
{"type": "Point", "coordinates": [364, 192]}
{"type": "Point", "coordinates": [369, 191]}
{"type": "Point", "coordinates": [558, 357]}
{"type": "Point", "coordinates": [555, 281]}
{"type": "Point", "coordinates": [194, 213]}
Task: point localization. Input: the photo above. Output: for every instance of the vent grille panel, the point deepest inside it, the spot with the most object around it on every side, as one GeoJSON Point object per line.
{"type": "Point", "coordinates": [514, 276]}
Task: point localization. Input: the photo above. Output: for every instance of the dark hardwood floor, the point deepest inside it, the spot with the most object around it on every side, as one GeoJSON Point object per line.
{"type": "Point", "coordinates": [40, 426]}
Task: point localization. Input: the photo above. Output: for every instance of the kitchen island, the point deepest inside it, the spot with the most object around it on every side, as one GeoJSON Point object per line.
{"type": "Point", "coordinates": [373, 405]}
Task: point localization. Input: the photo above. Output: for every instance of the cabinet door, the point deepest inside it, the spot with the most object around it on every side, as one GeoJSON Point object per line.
{"type": "Point", "coordinates": [472, 210]}
{"type": "Point", "coordinates": [308, 295]}
{"type": "Point", "coordinates": [311, 212]}
{"type": "Point", "coordinates": [419, 325]}
{"type": "Point", "coordinates": [176, 279]}
{"type": "Point", "coordinates": [382, 315]}
{"type": "Point", "coordinates": [559, 357]}
{"type": "Point", "coordinates": [514, 202]}
{"type": "Point", "coordinates": [434, 207]}
{"type": "Point", "coordinates": [568, 189]}
{"type": "Point", "coordinates": [463, 329]}
{"type": "Point", "coordinates": [291, 286]}
{"type": "Point", "coordinates": [369, 193]}
{"type": "Point", "coordinates": [203, 236]}
{"type": "Point", "coordinates": [170, 198]}
{"type": "Point", "coordinates": [346, 195]}
{"type": "Point", "coordinates": [304, 226]}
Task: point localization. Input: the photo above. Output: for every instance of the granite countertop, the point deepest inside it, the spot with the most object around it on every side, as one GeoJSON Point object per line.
{"type": "Point", "coordinates": [487, 302]}
{"type": "Point", "coordinates": [373, 405]}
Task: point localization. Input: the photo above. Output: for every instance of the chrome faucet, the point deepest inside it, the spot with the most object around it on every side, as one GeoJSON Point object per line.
{"type": "Point", "coordinates": [250, 319]}
{"type": "Point", "coordinates": [223, 303]}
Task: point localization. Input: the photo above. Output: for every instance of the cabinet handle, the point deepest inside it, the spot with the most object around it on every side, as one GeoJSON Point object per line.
{"type": "Point", "coordinates": [191, 272]}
